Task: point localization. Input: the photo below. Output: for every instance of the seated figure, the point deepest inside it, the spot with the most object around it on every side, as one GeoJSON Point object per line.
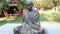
{"type": "Point", "coordinates": [31, 22]}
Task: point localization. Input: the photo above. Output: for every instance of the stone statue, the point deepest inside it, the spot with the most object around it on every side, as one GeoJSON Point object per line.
{"type": "Point", "coordinates": [31, 22]}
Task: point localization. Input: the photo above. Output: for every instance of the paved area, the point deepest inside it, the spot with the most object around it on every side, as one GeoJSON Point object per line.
{"type": "Point", "coordinates": [8, 28]}
{"type": "Point", "coordinates": [50, 28]}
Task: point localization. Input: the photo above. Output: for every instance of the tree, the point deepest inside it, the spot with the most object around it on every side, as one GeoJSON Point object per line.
{"type": "Point", "coordinates": [47, 4]}
{"type": "Point", "coordinates": [5, 8]}
{"type": "Point", "coordinates": [21, 4]}
{"type": "Point", "coordinates": [43, 3]}
{"type": "Point", "coordinates": [37, 3]}
{"type": "Point", "coordinates": [58, 2]}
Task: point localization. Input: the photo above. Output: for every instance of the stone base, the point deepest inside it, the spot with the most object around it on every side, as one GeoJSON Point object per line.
{"type": "Point", "coordinates": [16, 30]}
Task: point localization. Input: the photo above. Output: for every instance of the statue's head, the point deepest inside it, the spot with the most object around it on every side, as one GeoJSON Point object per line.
{"type": "Point", "coordinates": [29, 5]}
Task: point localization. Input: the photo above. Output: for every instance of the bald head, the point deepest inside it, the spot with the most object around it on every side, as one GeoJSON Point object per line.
{"type": "Point", "coordinates": [29, 5]}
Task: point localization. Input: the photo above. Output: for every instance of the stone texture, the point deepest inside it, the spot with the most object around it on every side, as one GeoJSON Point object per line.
{"type": "Point", "coordinates": [17, 30]}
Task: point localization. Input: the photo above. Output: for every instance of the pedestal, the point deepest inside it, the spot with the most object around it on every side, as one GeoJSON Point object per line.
{"type": "Point", "coordinates": [18, 28]}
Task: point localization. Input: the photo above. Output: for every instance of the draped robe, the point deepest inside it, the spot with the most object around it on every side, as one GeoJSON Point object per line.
{"type": "Point", "coordinates": [31, 22]}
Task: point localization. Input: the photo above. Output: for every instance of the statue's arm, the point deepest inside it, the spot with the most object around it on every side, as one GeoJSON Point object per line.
{"type": "Point", "coordinates": [24, 16]}
{"type": "Point", "coordinates": [36, 19]}
{"type": "Point", "coordinates": [35, 24]}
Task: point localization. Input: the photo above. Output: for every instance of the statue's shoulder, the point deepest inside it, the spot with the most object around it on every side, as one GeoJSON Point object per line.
{"type": "Point", "coordinates": [35, 11]}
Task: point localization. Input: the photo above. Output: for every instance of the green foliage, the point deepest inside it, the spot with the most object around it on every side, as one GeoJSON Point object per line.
{"type": "Point", "coordinates": [17, 20]}
{"type": "Point", "coordinates": [2, 22]}
{"type": "Point", "coordinates": [42, 17]}
{"type": "Point", "coordinates": [21, 4]}
{"type": "Point", "coordinates": [37, 3]}
{"type": "Point", "coordinates": [44, 3]}
{"type": "Point", "coordinates": [5, 4]}
{"type": "Point", "coordinates": [47, 3]}
{"type": "Point", "coordinates": [56, 2]}
{"type": "Point", "coordinates": [50, 16]}
{"type": "Point", "coordinates": [1, 6]}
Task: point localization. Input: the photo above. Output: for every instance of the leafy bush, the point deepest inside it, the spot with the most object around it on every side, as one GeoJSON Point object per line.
{"type": "Point", "coordinates": [50, 16]}
{"type": "Point", "coordinates": [1, 6]}
{"type": "Point", "coordinates": [5, 4]}
{"type": "Point", "coordinates": [21, 4]}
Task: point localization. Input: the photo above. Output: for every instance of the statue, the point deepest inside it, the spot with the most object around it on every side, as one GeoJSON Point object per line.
{"type": "Point", "coordinates": [31, 22]}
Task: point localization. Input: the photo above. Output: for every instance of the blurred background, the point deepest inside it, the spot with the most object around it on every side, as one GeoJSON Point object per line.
{"type": "Point", "coordinates": [11, 11]}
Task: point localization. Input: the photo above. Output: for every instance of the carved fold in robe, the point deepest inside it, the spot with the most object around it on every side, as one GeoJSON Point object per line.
{"type": "Point", "coordinates": [31, 22]}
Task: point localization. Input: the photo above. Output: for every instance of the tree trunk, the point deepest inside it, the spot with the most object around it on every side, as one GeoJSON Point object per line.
{"type": "Point", "coordinates": [6, 14]}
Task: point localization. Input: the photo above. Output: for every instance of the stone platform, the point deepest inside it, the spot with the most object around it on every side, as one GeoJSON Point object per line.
{"type": "Point", "coordinates": [49, 28]}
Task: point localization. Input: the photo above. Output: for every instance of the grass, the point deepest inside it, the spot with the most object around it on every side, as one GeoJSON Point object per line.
{"type": "Point", "coordinates": [42, 18]}
{"type": "Point", "coordinates": [17, 20]}
{"type": "Point", "coordinates": [3, 22]}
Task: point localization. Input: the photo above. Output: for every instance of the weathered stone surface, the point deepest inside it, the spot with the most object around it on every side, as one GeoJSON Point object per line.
{"type": "Point", "coordinates": [17, 30]}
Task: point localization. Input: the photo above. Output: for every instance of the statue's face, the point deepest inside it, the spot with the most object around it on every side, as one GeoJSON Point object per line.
{"type": "Point", "coordinates": [29, 7]}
